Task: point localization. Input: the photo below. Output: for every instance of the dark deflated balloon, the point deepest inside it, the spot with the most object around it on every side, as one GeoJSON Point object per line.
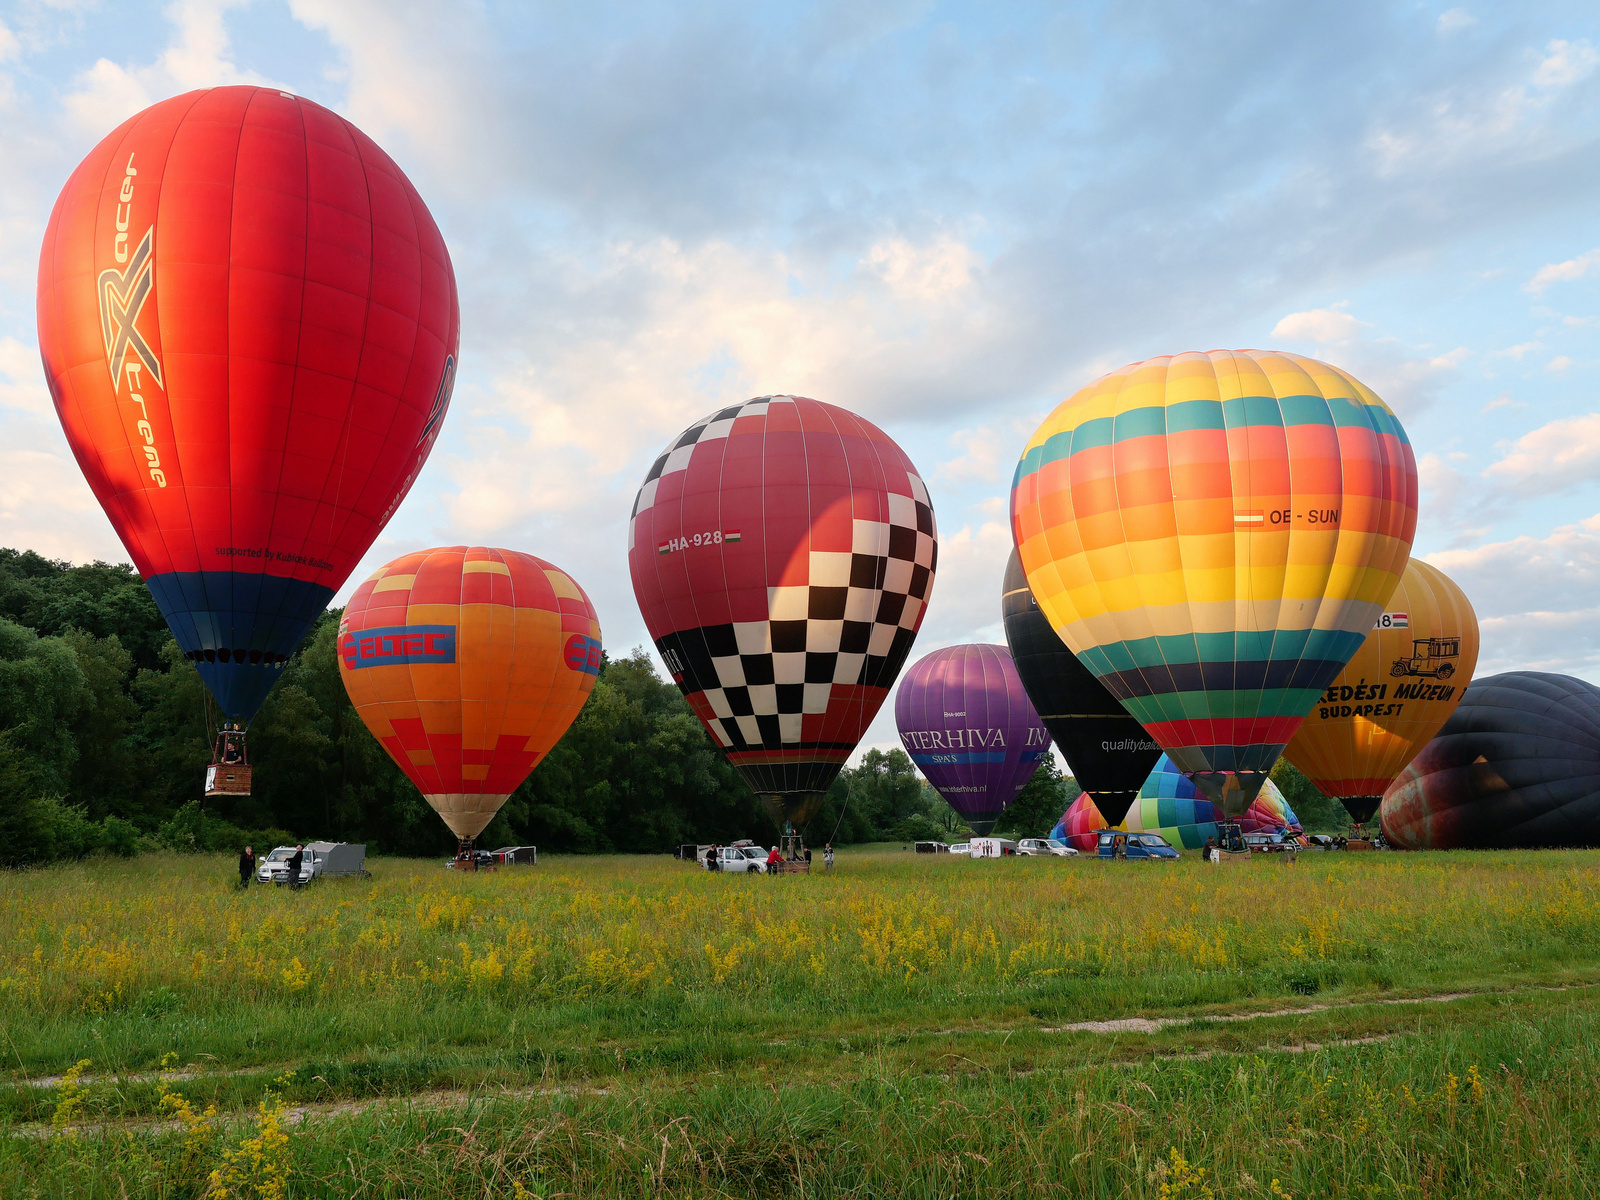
{"type": "Point", "coordinates": [1108, 752]}
{"type": "Point", "coordinates": [1517, 764]}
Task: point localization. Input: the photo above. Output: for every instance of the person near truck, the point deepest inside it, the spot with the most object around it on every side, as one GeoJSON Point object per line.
{"type": "Point", "coordinates": [247, 866]}
{"type": "Point", "coordinates": [296, 861]}
{"type": "Point", "coordinates": [774, 860]}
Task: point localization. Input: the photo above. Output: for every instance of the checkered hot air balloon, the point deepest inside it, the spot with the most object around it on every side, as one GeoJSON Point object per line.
{"type": "Point", "coordinates": [1213, 535]}
{"type": "Point", "coordinates": [782, 553]}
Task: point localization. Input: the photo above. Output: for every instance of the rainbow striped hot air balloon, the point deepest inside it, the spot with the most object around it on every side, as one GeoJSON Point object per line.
{"type": "Point", "coordinates": [1214, 535]}
{"type": "Point", "coordinates": [1168, 804]}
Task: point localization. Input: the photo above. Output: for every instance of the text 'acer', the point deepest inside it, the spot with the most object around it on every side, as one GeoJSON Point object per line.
{"type": "Point", "coordinates": [249, 327]}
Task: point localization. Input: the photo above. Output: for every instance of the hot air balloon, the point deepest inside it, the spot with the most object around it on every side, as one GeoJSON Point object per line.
{"type": "Point", "coordinates": [782, 552]}
{"type": "Point", "coordinates": [967, 724]}
{"type": "Point", "coordinates": [1393, 696]}
{"type": "Point", "coordinates": [1170, 805]}
{"type": "Point", "coordinates": [1107, 751]}
{"type": "Point", "coordinates": [1213, 535]}
{"type": "Point", "coordinates": [249, 327]}
{"type": "Point", "coordinates": [468, 664]}
{"type": "Point", "coordinates": [1517, 764]}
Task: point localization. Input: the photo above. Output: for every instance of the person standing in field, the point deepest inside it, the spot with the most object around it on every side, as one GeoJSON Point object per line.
{"type": "Point", "coordinates": [296, 861]}
{"type": "Point", "coordinates": [807, 855]}
{"type": "Point", "coordinates": [774, 861]}
{"type": "Point", "coordinates": [247, 866]}
{"type": "Point", "coordinates": [827, 857]}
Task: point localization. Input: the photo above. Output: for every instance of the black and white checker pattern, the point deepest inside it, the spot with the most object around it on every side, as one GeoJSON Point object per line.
{"type": "Point", "coordinates": [717, 425]}
{"type": "Point", "coordinates": [852, 623]}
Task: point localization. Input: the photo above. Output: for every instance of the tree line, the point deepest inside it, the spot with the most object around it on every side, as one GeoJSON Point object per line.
{"type": "Point", "coordinates": [105, 733]}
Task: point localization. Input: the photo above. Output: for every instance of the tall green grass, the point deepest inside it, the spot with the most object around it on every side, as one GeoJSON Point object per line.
{"type": "Point", "coordinates": [634, 1027]}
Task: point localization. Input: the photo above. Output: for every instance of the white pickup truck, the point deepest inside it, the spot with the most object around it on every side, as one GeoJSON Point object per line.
{"type": "Point", "coordinates": [738, 859]}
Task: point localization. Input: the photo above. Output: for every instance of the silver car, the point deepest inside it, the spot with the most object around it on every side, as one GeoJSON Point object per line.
{"type": "Point", "coordinates": [1045, 848]}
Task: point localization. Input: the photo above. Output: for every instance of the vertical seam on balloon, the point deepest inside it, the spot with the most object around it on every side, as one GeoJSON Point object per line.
{"type": "Point", "coordinates": [493, 747]}
{"type": "Point", "coordinates": [342, 450]}
{"type": "Point", "coordinates": [193, 541]}
{"type": "Point", "coordinates": [1183, 572]}
{"type": "Point", "coordinates": [1116, 485]}
{"type": "Point", "coordinates": [416, 325]}
{"type": "Point", "coordinates": [305, 262]}
{"type": "Point", "coordinates": [1271, 649]}
{"type": "Point", "coordinates": [1219, 806]}
{"type": "Point", "coordinates": [94, 447]}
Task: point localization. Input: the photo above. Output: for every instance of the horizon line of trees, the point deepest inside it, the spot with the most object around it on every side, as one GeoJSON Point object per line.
{"type": "Point", "coordinates": [106, 730]}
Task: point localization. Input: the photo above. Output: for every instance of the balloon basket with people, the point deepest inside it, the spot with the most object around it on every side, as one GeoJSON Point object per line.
{"type": "Point", "coordinates": [229, 772]}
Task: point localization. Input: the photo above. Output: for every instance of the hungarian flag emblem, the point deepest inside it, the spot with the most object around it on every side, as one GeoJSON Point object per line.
{"type": "Point", "coordinates": [730, 535]}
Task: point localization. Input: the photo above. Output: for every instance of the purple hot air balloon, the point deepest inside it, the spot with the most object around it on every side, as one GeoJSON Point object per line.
{"type": "Point", "coordinates": [966, 721]}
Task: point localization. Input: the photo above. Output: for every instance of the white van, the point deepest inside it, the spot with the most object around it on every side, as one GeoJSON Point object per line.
{"type": "Point", "coordinates": [993, 848]}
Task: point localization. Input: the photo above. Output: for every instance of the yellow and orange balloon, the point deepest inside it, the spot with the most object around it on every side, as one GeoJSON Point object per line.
{"type": "Point", "coordinates": [468, 664]}
{"type": "Point", "coordinates": [1213, 534]}
{"type": "Point", "coordinates": [1394, 695]}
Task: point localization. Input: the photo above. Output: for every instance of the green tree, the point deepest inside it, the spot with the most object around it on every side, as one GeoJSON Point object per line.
{"type": "Point", "coordinates": [1040, 803]}
{"type": "Point", "coordinates": [1317, 813]}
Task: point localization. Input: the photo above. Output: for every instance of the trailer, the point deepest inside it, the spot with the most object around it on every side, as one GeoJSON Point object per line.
{"type": "Point", "coordinates": [515, 856]}
{"type": "Point", "coordinates": [333, 859]}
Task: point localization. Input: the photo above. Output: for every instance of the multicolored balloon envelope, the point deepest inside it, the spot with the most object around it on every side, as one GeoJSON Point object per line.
{"type": "Point", "coordinates": [249, 326]}
{"type": "Point", "coordinates": [1108, 752]}
{"type": "Point", "coordinates": [1170, 805]}
{"type": "Point", "coordinates": [468, 664]}
{"type": "Point", "coordinates": [1394, 695]}
{"type": "Point", "coordinates": [1213, 535]}
{"type": "Point", "coordinates": [966, 722]}
{"type": "Point", "coordinates": [783, 552]}
{"type": "Point", "coordinates": [1517, 764]}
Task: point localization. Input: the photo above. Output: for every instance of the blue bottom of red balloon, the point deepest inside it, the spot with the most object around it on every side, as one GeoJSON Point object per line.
{"type": "Point", "coordinates": [238, 628]}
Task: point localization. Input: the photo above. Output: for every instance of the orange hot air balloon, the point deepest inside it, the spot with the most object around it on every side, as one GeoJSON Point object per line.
{"type": "Point", "coordinates": [468, 664]}
{"type": "Point", "coordinates": [1394, 695]}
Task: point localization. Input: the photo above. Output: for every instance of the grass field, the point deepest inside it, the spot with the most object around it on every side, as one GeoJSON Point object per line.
{"type": "Point", "coordinates": [1354, 1025]}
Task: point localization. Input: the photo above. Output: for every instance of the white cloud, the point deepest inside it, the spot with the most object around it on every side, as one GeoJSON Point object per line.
{"type": "Point", "coordinates": [1564, 272]}
{"type": "Point", "coordinates": [1325, 326]}
{"type": "Point", "coordinates": [1407, 382]}
{"type": "Point", "coordinates": [1552, 458]}
{"type": "Point", "coordinates": [937, 272]}
{"type": "Point", "coordinates": [1503, 400]}
{"type": "Point", "coordinates": [659, 334]}
{"type": "Point", "coordinates": [1454, 21]}
{"type": "Point", "coordinates": [1565, 63]}
{"type": "Point", "coordinates": [10, 47]}
{"type": "Point", "coordinates": [199, 56]}
{"type": "Point", "coordinates": [23, 384]}
{"type": "Point", "coordinates": [1519, 350]}
{"type": "Point", "coordinates": [1534, 598]}
{"type": "Point", "coordinates": [1558, 364]}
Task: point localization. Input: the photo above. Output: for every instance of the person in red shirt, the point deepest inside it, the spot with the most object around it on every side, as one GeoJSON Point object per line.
{"type": "Point", "coordinates": [774, 861]}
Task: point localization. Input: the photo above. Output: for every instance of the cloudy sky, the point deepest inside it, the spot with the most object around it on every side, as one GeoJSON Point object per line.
{"type": "Point", "coordinates": [945, 217]}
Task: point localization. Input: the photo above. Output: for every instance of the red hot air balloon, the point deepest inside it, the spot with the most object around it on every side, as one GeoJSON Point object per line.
{"type": "Point", "coordinates": [249, 326]}
{"type": "Point", "coordinates": [782, 552]}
